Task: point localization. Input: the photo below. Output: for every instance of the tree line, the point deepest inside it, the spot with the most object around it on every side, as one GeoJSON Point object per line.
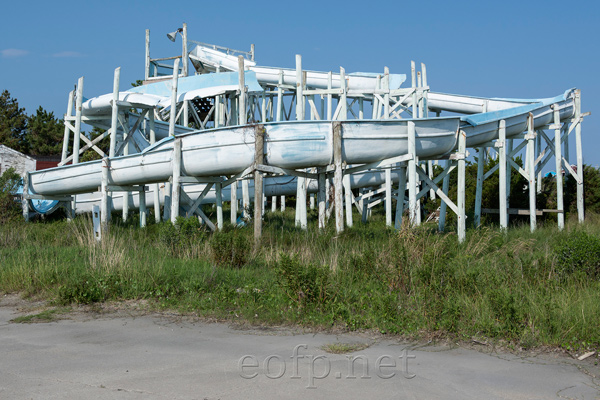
{"type": "Point", "coordinates": [40, 133]}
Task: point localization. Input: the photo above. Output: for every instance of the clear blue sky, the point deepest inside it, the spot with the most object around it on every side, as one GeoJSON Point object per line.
{"type": "Point", "coordinates": [525, 49]}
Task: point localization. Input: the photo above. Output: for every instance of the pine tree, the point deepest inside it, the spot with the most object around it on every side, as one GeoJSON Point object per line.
{"type": "Point", "coordinates": [44, 133]}
{"type": "Point", "coordinates": [13, 123]}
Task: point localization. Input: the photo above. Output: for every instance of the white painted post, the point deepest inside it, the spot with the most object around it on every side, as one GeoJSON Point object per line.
{"type": "Point", "coordinates": [538, 146]}
{"type": "Point", "coordinates": [242, 89]}
{"type": "Point", "coordinates": [348, 198]}
{"type": "Point", "coordinates": [386, 97]}
{"type": "Point", "coordinates": [143, 209]}
{"type": "Point", "coordinates": [299, 89]}
{"type": "Point", "coordinates": [530, 159]}
{"type": "Point", "coordinates": [259, 154]}
{"type": "Point", "coordinates": [412, 174]}
{"type": "Point", "coordinates": [388, 196]}
{"type": "Point", "coordinates": [280, 97]}
{"type": "Point", "coordinates": [67, 132]}
{"type": "Point", "coordinates": [184, 52]}
{"type": "Point", "coordinates": [219, 200]}
{"type": "Point", "coordinates": [273, 203]}
{"type": "Point", "coordinates": [321, 196]}
{"type": "Point", "coordinates": [375, 102]}
{"type": "Point", "coordinates": [501, 143]}
{"type": "Point", "coordinates": [156, 194]}
{"type": "Point", "coordinates": [167, 202]}
{"type": "Point", "coordinates": [126, 195]}
{"type": "Point", "coordinates": [559, 178]}
{"type": "Point", "coordinates": [329, 96]}
{"type": "Point", "coordinates": [430, 174]}
{"type": "Point", "coordinates": [234, 202]}
{"type": "Point", "coordinates": [462, 148]}
{"type": "Point", "coordinates": [343, 96]}
{"type": "Point", "coordinates": [115, 112]}
{"type": "Point", "coordinates": [400, 197]}
{"type": "Point", "coordinates": [509, 149]}
{"type": "Point", "coordinates": [415, 113]}
{"type": "Point", "coordinates": [479, 187]}
{"type": "Point", "coordinates": [579, 149]}
{"type": "Point", "coordinates": [245, 198]}
{"type": "Point", "coordinates": [104, 202]}
{"type": "Point", "coordinates": [338, 176]}
{"type": "Point", "coordinates": [147, 63]}
{"type": "Point", "coordinates": [173, 111]}
{"type": "Point", "coordinates": [77, 138]}
{"type": "Point", "coordinates": [444, 206]}
{"type": "Point", "coordinates": [282, 199]}
{"type": "Point", "coordinates": [176, 184]}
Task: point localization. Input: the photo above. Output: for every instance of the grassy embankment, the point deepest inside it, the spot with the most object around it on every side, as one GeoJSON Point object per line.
{"type": "Point", "coordinates": [528, 289]}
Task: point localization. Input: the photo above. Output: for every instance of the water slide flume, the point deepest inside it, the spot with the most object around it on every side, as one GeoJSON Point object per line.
{"type": "Point", "coordinates": [229, 151]}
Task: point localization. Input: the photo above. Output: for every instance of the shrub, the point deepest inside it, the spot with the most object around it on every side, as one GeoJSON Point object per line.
{"type": "Point", "coordinates": [180, 238]}
{"type": "Point", "coordinates": [9, 182]}
{"type": "Point", "coordinates": [303, 283]}
{"type": "Point", "coordinates": [230, 248]}
{"type": "Point", "coordinates": [579, 253]}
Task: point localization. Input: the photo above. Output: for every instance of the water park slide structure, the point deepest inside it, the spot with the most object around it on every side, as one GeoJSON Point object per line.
{"type": "Point", "coordinates": [289, 145]}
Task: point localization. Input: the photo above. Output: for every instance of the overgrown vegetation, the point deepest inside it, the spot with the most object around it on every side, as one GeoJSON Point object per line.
{"type": "Point", "coordinates": [9, 183]}
{"type": "Point", "coordinates": [528, 289]}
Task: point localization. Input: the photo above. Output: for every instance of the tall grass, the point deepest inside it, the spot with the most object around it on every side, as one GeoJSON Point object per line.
{"type": "Point", "coordinates": [515, 285]}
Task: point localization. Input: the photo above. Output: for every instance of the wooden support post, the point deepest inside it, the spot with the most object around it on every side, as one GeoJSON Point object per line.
{"type": "Point", "coordinates": [126, 195]}
{"type": "Point", "coordinates": [579, 149]}
{"type": "Point", "coordinates": [386, 100]}
{"type": "Point", "coordinates": [301, 214]}
{"type": "Point", "coordinates": [329, 96]}
{"type": "Point", "coordinates": [430, 174]}
{"type": "Point", "coordinates": [219, 200]}
{"type": "Point", "coordinates": [299, 89]}
{"type": "Point", "coordinates": [559, 177]}
{"type": "Point", "coordinates": [338, 174]}
{"type": "Point", "coordinates": [167, 202]}
{"type": "Point", "coordinates": [501, 143]}
{"type": "Point", "coordinates": [259, 155]}
{"type": "Point", "coordinates": [173, 111]}
{"type": "Point", "coordinates": [509, 149]}
{"type": "Point", "coordinates": [444, 206]}
{"type": "Point", "coordinates": [104, 202]}
{"type": "Point", "coordinates": [234, 202]}
{"type": "Point", "coordinates": [343, 96]}
{"type": "Point", "coordinates": [538, 147]}
{"type": "Point", "coordinates": [24, 199]}
{"type": "Point", "coordinates": [530, 168]}
{"type": "Point", "coordinates": [414, 87]}
{"type": "Point", "coordinates": [321, 196]}
{"type": "Point", "coordinates": [77, 138]}
{"type": "Point", "coordinates": [143, 209]}
{"type": "Point", "coordinates": [279, 113]}
{"type": "Point", "coordinates": [115, 112]}
{"type": "Point", "coordinates": [348, 198]}
{"type": "Point", "coordinates": [412, 174]}
{"type": "Point", "coordinates": [184, 52]}
{"type": "Point", "coordinates": [245, 199]}
{"type": "Point", "coordinates": [147, 63]}
{"type": "Point", "coordinates": [242, 90]}
{"type": "Point", "coordinates": [388, 196]}
{"type": "Point", "coordinates": [462, 148]}
{"type": "Point", "coordinates": [479, 186]}
{"type": "Point", "coordinates": [399, 198]}
{"type": "Point", "coordinates": [176, 184]}
{"type": "Point", "coordinates": [67, 131]}
{"type": "Point", "coordinates": [156, 194]}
